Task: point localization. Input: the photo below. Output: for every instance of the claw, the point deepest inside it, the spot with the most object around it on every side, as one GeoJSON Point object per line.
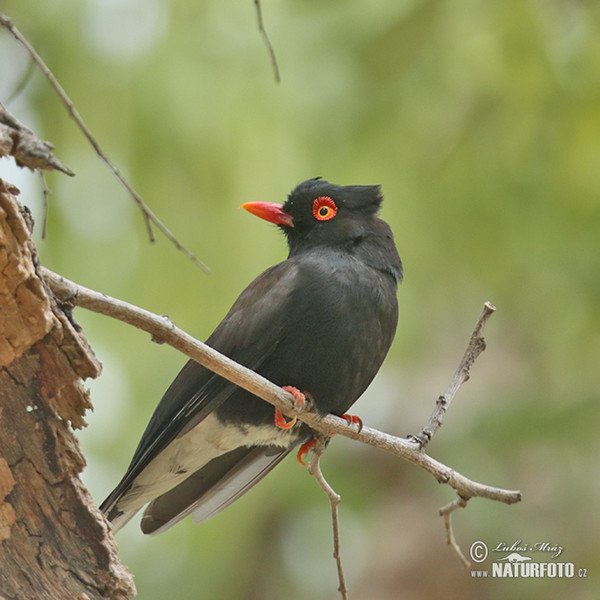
{"type": "Point", "coordinates": [304, 450]}
{"type": "Point", "coordinates": [309, 444]}
{"type": "Point", "coordinates": [353, 420]}
{"type": "Point", "coordinates": [299, 399]}
{"type": "Point", "coordinates": [282, 423]}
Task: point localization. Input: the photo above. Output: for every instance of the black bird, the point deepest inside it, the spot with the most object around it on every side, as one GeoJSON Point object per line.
{"type": "Point", "coordinates": [321, 321]}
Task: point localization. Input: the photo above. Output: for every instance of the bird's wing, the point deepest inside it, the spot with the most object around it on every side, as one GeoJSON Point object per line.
{"type": "Point", "coordinates": [213, 488]}
{"type": "Point", "coordinates": [247, 335]}
{"type": "Point", "coordinates": [194, 388]}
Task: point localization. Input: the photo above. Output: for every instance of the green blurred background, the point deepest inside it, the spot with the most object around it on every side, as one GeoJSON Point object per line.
{"type": "Point", "coordinates": [482, 122]}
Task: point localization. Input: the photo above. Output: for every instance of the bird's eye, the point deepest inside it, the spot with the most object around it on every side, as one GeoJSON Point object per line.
{"type": "Point", "coordinates": [324, 208]}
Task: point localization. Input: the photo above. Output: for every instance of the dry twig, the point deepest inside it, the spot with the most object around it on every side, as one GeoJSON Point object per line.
{"type": "Point", "coordinates": [474, 349]}
{"type": "Point", "coordinates": [163, 330]}
{"type": "Point", "coordinates": [446, 512]}
{"type": "Point", "coordinates": [265, 35]}
{"type": "Point", "coordinates": [45, 192]}
{"type": "Point", "coordinates": [149, 217]}
{"type": "Point", "coordinates": [334, 501]}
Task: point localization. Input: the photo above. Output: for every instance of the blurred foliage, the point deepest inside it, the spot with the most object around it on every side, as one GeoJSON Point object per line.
{"type": "Point", "coordinates": [481, 120]}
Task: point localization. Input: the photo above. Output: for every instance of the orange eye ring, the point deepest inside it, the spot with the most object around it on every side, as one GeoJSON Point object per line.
{"type": "Point", "coordinates": [324, 208]}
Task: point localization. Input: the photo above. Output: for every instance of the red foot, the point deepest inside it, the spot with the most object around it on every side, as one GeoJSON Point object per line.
{"type": "Point", "coordinates": [304, 450]}
{"type": "Point", "coordinates": [353, 420]}
{"type": "Point", "coordinates": [308, 445]}
{"type": "Point", "coordinates": [299, 402]}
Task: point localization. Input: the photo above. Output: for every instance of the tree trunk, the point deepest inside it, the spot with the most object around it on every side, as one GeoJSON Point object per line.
{"type": "Point", "coordinates": [54, 542]}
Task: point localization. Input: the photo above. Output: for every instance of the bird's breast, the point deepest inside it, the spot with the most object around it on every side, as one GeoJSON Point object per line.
{"type": "Point", "coordinates": [341, 321]}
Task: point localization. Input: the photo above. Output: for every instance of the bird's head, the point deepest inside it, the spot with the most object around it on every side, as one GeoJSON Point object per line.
{"type": "Point", "coordinates": [318, 213]}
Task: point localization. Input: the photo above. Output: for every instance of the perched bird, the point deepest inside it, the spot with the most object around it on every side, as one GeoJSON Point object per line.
{"type": "Point", "coordinates": [321, 322]}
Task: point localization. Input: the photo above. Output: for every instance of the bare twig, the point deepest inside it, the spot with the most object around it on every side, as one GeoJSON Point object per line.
{"type": "Point", "coordinates": [474, 349]}
{"type": "Point", "coordinates": [45, 203]}
{"type": "Point", "coordinates": [334, 501]}
{"type": "Point", "coordinates": [265, 35]}
{"type": "Point", "coordinates": [163, 330]}
{"type": "Point", "coordinates": [149, 217]}
{"type": "Point", "coordinates": [446, 512]}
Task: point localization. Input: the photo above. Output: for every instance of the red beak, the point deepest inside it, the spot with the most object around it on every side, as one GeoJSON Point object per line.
{"type": "Point", "coordinates": [269, 211]}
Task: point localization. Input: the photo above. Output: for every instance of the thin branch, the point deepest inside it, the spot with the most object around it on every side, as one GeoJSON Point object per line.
{"type": "Point", "coordinates": [149, 217]}
{"type": "Point", "coordinates": [45, 192]}
{"type": "Point", "coordinates": [475, 347]}
{"type": "Point", "coordinates": [446, 512]}
{"type": "Point", "coordinates": [265, 35]}
{"type": "Point", "coordinates": [334, 501]}
{"type": "Point", "coordinates": [163, 330]}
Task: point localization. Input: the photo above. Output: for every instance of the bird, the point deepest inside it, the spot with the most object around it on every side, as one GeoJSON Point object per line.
{"type": "Point", "coordinates": [319, 324]}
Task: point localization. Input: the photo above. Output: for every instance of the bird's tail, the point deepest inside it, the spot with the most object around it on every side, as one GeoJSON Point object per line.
{"type": "Point", "coordinates": [117, 512]}
{"type": "Point", "coordinates": [120, 519]}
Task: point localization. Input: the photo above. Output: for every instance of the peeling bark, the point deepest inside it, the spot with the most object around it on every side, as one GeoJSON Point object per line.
{"type": "Point", "coordinates": [54, 542]}
{"type": "Point", "coordinates": [25, 147]}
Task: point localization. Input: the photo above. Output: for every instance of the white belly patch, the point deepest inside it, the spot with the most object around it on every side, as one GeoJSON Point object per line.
{"type": "Point", "coordinates": [188, 453]}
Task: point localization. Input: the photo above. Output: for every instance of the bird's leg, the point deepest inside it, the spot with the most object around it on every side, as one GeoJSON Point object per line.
{"type": "Point", "coordinates": [299, 399]}
{"type": "Point", "coordinates": [309, 444]}
{"type": "Point", "coordinates": [304, 450]}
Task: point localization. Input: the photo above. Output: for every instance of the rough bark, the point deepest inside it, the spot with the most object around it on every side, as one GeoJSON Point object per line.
{"type": "Point", "coordinates": [54, 543]}
{"type": "Point", "coordinates": [25, 147]}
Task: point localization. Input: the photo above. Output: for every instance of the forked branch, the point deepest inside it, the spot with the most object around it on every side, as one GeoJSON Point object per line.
{"type": "Point", "coordinates": [163, 330]}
